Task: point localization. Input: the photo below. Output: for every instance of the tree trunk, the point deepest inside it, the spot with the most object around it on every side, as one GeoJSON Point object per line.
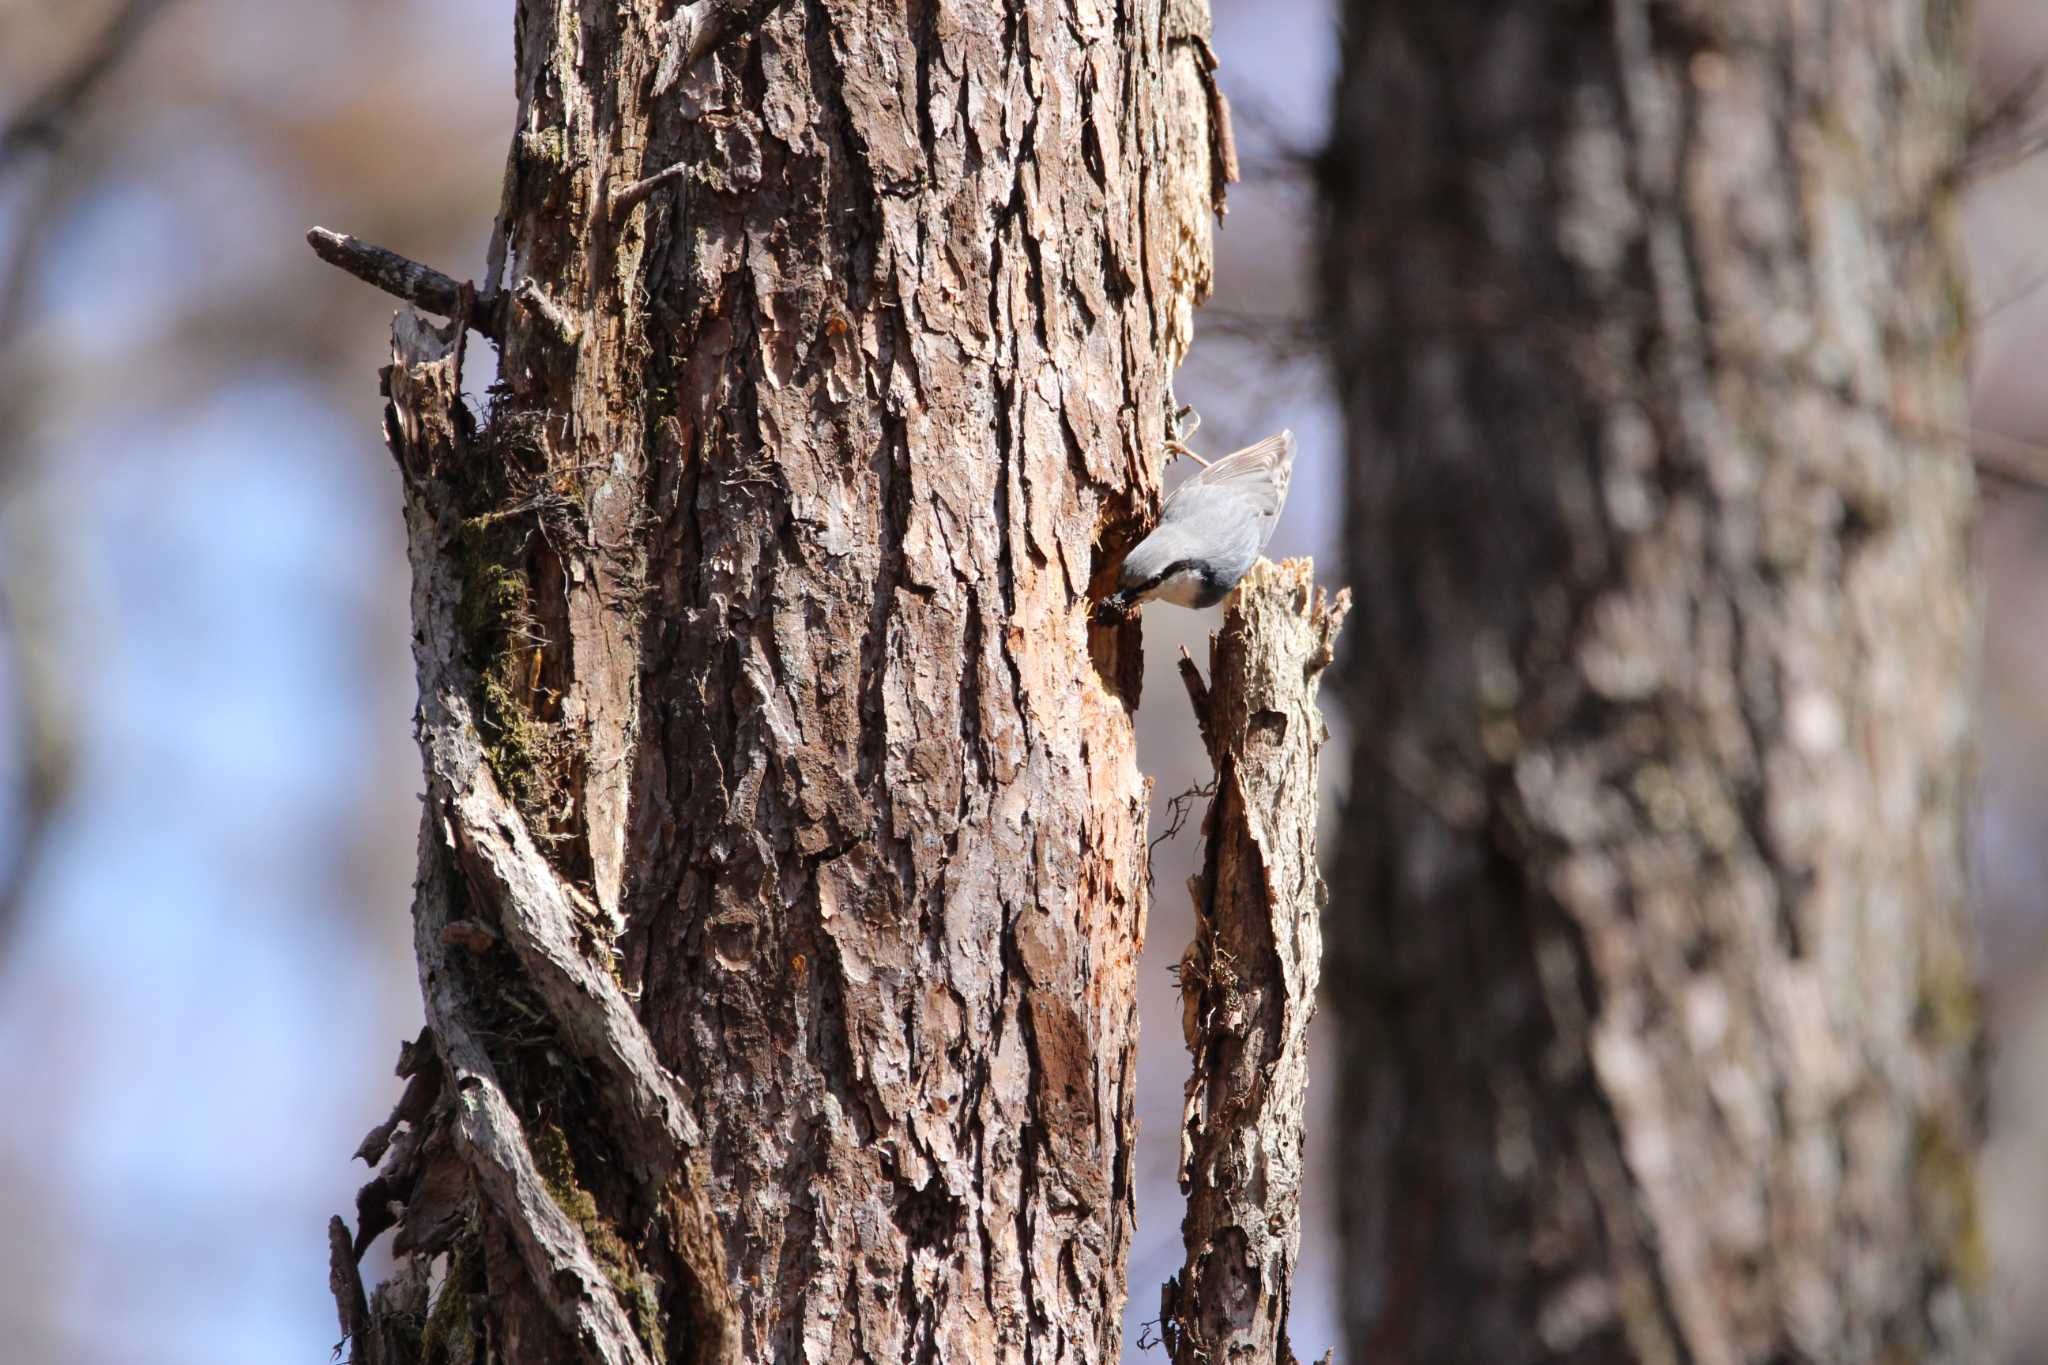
{"type": "Point", "coordinates": [1658, 1014]}
{"type": "Point", "coordinates": [782, 865]}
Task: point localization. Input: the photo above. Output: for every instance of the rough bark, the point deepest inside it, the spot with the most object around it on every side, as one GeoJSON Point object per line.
{"type": "Point", "coordinates": [781, 870]}
{"type": "Point", "coordinates": [1658, 1014]}
{"type": "Point", "coordinates": [1248, 980]}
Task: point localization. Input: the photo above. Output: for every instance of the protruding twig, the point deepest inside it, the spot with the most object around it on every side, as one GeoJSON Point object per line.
{"type": "Point", "coordinates": [351, 1304]}
{"type": "Point", "coordinates": [404, 278]}
{"type": "Point", "coordinates": [2009, 457]}
{"type": "Point", "coordinates": [624, 201]}
{"type": "Point", "coordinates": [1177, 810]}
{"type": "Point", "coordinates": [564, 328]}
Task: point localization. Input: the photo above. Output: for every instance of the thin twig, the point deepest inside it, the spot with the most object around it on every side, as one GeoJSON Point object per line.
{"type": "Point", "coordinates": [1998, 136]}
{"type": "Point", "coordinates": [1178, 808]}
{"type": "Point", "coordinates": [1998, 454]}
{"type": "Point", "coordinates": [42, 123]}
{"type": "Point", "coordinates": [561, 326]}
{"type": "Point", "coordinates": [45, 734]}
{"type": "Point", "coordinates": [1270, 152]}
{"type": "Point", "coordinates": [2009, 457]}
{"type": "Point", "coordinates": [624, 201]}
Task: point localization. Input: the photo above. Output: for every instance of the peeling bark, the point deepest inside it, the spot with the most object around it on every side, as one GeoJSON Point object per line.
{"type": "Point", "coordinates": [1659, 1016]}
{"type": "Point", "coordinates": [782, 865]}
{"type": "Point", "coordinates": [1248, 981]}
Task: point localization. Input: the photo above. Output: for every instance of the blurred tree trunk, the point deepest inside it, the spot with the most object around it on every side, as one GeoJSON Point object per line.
{"type": "Point", "coordinates": [782, 866]}
{"type": "Point", "coordinates": [1658, 1013]}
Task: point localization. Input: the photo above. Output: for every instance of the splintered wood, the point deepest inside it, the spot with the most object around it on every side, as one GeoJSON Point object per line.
{"type": "Point", "coordinates": [1248, 981]}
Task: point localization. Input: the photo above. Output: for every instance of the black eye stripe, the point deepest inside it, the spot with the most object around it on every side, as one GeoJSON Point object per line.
{"type": "Point", "coordinates": [1166, 573]}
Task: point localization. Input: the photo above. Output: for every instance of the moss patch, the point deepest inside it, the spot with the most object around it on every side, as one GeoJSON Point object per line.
{"type": "Point", "coordinates": [1945, 1176]}
{"type": "Point", "coordinates": [507, 515]}
{"type": "Point", "coordinates": [637, 1290]}
{"type": "Point", "coordinates": [451, 1336]}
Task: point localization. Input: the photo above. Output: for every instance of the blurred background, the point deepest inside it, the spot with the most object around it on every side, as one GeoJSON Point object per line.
{"type": "Point", "coordinates": [205, 685]}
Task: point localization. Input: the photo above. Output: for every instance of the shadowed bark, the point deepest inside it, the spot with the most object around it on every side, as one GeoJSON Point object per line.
{"type": "Point", "coordinates": [1658, 1013]}
{"type": "Point", "coordinates": [780, 884]}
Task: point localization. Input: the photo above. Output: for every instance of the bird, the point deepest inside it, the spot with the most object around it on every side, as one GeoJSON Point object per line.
{"type": "Point", "coordinates": [1211, 531]}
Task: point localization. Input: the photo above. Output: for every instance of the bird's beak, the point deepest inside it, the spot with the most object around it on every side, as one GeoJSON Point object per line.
{"type": "Point", "coordinates": [1114, 609]}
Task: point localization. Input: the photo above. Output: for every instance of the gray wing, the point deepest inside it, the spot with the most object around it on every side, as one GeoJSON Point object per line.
{"type": "Point", "coordinates": [1259, 474]}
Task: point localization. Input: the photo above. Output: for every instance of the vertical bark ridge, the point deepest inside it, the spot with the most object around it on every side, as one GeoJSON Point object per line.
{"type": "Point", "coordinates": [929, 892]}
{"type": "Point", "coordinates": [1664, 683]}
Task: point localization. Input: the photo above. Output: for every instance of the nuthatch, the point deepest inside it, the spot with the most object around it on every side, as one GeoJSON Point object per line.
{"type": "Point", "coordinates": [1210, 532]}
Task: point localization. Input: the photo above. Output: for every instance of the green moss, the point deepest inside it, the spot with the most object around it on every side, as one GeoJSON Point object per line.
{"type": "Point", "coordinates": [545, 150]}
{"type": "Point", "coordinates": [1948, 1006]}
{"type": "Point", "coordinates": [644, 1302]}
{"type": "Point", "coordinates": [451, 1337]}
{"type": "Point", "coordinates": [1948, 1019]}
{"type": "Point", "coordinates": [500, 634]}
{"type": "Point", "coordinates": [637, 1289]}
{"type": "Point", "coordinates": [1945, 1180]}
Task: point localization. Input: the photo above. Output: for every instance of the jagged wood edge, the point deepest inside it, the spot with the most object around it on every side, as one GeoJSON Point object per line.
{"type": "Point", "coordinates": [1279, 634]}
{"type": "Point", "coordinates": [471, 829]}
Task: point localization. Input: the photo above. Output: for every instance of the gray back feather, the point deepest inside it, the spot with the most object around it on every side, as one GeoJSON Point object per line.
{"type": "Point", "coordinates": [1258, 474]}
{"type": "Point", "coordinates": [1222, 517]}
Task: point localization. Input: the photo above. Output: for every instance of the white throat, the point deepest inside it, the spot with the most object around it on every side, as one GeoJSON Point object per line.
{"type": "Point", "coordinates": [1182, 589]}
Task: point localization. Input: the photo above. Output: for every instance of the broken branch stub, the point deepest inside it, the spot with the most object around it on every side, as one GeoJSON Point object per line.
{"type": "Point", "coordinates": [1248, 980]}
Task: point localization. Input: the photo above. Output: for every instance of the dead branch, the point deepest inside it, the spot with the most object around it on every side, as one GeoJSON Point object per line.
{"type": "Point", "coordinates": [404, 278]}
{"type": "Point", "coordinates": [1248, 981]}
{"type": "Point", "coordinates": [624, 201]}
